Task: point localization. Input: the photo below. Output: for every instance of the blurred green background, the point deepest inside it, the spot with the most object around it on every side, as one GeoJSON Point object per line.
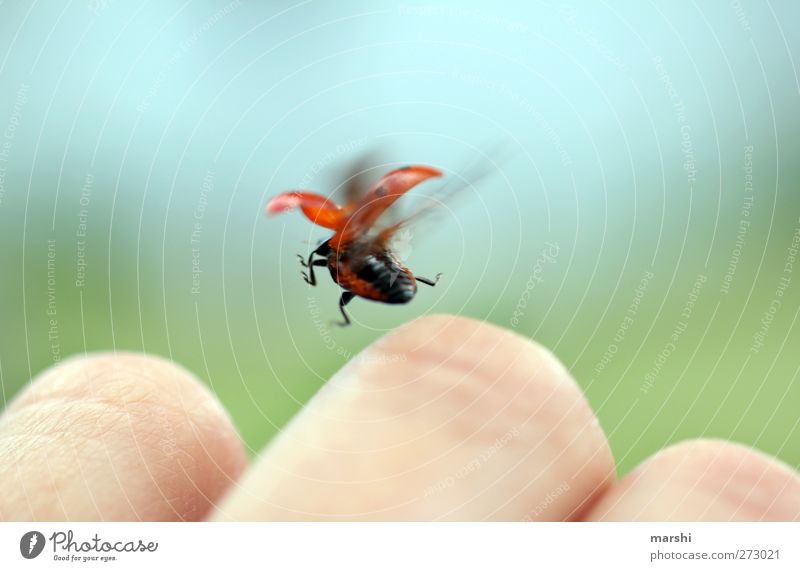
{"type": "Point", "coordinates": [643, 223]}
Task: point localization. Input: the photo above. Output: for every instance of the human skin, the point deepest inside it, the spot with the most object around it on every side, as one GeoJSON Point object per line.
{"type": "Point", "coordinates": [445, 418]}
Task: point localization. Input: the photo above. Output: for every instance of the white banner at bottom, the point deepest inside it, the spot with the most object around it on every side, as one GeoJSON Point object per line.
{"type": "Point", "coordinates": [400, 546]}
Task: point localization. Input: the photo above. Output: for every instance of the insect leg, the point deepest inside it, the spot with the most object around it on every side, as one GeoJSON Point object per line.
{"type": "Point", "coordinates": [429, 282]}
{"type": "Point", "coordinates": [344, 300]}
{"type": "Point", "coordinates": [303, 260]}
{"type": "Point", "coordinates": [323, 250]}
{"type": "Point", "coordinates": [310, 278]}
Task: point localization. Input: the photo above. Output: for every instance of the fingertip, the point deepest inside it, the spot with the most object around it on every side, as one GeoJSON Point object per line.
{"type": "Point", "coordinates": [440, 338]}
{"type": "Point", "coordinates": [117, 437]}
{"type": "Point", "coordinates": [705, 480]}
{"type": "Point", "coordinates": [462, 419]}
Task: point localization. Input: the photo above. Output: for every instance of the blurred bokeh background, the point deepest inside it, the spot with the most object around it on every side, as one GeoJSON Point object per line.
{"type": "Point", "coordinates": [643, 222]}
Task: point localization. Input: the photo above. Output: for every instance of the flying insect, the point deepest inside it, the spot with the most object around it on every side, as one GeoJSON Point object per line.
{"type": "Point", "coordinates": [358, 255]}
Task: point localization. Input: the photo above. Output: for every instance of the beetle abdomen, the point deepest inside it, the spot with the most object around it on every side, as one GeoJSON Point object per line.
{"type": "Point", "coordinates": [377, 276]}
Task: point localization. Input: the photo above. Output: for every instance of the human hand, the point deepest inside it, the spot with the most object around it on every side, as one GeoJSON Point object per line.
{"type": "Point", "coordinates": [444, 418]}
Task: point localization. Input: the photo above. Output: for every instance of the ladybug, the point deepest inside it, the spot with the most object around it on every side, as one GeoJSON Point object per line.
{"type": "Point", "coordinates": [358, 255]}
